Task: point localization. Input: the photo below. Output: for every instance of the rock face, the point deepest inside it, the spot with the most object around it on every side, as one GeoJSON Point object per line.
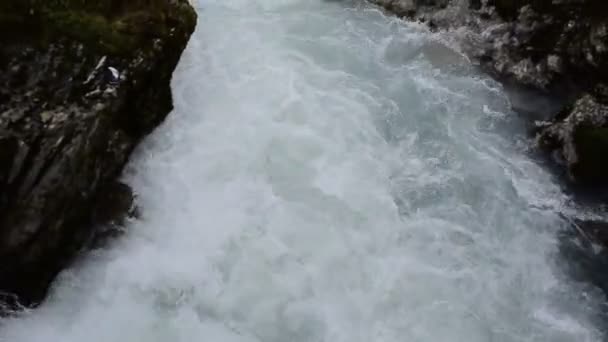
{"type": "Point", "coordinates": [540, 43]}
{"type": "Point", "coordinates": [579, 136]}
{"type": "Point", "coordinates": [548, 43]}
{"type": "Point", "coordinates": [556, 46]}
{"type": "Point", "coordinates": [81, 83]}
{"type": "Point", "coordinates": [561, 46]}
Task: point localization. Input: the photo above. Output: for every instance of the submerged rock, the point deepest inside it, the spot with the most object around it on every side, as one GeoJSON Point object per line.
{"type": "Point", "coordinates": [81, 83]}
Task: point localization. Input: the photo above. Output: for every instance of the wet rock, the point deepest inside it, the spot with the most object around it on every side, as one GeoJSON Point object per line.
{"type": "Point", "coordinates": [114, 203]}
{"type": "Point", "coordinates": [594, 230]}
{"type": "Point", "coordinates": [559, 47]}
{"type": "Point", "coordinates": [579, 139]}
{"type": "Point", "coordinates": [81, 83]}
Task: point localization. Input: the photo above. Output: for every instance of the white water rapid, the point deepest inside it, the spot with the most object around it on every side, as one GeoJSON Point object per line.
{"type": "Point", "coordinates": [329, 174]}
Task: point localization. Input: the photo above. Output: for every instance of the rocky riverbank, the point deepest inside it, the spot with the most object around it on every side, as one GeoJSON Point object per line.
{"type": "Point", "coordinates": [556, 46]}
{"type": "Point", "coordinates": [81, 83]}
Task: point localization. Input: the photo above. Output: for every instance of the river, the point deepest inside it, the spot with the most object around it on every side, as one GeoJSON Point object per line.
{"type": "Point", "coordinates": [329, 173]}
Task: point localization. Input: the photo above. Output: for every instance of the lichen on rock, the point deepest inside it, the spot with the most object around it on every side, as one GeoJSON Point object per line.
{"type": "Point", "coordinates": [81, 83]}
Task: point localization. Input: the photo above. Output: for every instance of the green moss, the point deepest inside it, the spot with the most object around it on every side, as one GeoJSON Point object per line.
{"type": "Point", "coordinates": [108, 8]}
{"type": "Point", "coordinates": [113, 26]}
{"type": "Point", "coordinates": [93, 29]}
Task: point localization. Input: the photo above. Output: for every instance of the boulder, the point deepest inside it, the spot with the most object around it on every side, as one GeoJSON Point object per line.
{"type": "Point", "coordinates": [578, 137]}
{"type": "Point", "coordinates": [81, 83]}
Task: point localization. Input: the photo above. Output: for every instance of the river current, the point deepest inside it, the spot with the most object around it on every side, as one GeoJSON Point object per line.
{"type": "Point", "coordinates": [329, 173]}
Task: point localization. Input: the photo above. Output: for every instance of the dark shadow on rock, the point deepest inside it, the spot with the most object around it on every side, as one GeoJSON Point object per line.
{"type": "Point", "coordinates": [114, 205]}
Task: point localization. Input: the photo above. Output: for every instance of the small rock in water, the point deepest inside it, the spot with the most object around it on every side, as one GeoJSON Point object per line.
{"type": "Point", "coordinates": [113, 205]}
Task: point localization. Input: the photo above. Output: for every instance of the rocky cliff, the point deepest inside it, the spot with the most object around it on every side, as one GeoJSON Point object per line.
{"type": "Point", "coordinates": [81, 83]}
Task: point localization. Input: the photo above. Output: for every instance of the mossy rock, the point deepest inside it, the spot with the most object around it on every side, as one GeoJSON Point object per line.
{"type": "Point", "coordinates": [114, 27]}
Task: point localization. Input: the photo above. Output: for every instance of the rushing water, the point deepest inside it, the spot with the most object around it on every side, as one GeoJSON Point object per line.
{"type": "Point", "coordinates": [328, 174]}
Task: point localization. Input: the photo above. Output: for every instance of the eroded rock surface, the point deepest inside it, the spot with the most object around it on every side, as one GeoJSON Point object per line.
{"type": "Point", "coordinates": [579, 138]}
{"type": "Point", "coordinates": [81, 82]}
